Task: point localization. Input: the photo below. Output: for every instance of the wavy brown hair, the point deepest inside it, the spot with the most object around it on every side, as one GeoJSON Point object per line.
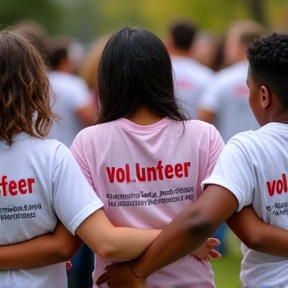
{"type": "Point", "coordinates": [24, 89]}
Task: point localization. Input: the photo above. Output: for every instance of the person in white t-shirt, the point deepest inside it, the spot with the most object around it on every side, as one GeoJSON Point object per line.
{"type": "Point", "coordinates": [40, 182]}
{"type": "Point", "coordinates": [74, 101]}
{"type": "Point", "coordinates": [251, 171]}
{"type": "Point", "coordinates": [224, 102]}
{"type": "Point", "coordinates": [190, 76]}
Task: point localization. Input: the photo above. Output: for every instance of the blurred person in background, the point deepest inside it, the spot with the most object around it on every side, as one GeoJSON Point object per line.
{"type": "Point", "coordinates": [208, 50]}
{"type": "Point", "coordinates": [225, 100]}
{"type": "Point", "coordinates": [189, 75]}
{"type": "Point", "coordinates": [74, 100]}
{"type": "Point", "coordinates": [88, 70]}
{"type": "Point", "coordinates": [75, 105]}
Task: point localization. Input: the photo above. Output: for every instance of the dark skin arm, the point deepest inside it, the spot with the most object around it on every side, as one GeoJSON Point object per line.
{"type": "Point", "coordinates": [181, 237]}
{"type": "Point", "coordinates": [258, 235]}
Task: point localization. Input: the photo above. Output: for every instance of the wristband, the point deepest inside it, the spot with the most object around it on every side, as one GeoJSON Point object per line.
{"type": "Point", "coordinates": [134, 274]}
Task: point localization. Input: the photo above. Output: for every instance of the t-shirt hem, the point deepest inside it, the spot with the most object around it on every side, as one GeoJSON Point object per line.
{"type": "Point", "coordinates": [228, 185]}
{"type": "Point", "coordinates": [82, 215]}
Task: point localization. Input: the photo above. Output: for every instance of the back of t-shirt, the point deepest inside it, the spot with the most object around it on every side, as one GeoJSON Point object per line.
{"type": "Point", "coordinates": [254, 167]}
{"type": "Point", "coordinates": [39, 181]}
{"type": "Point", "coordinates": [226, 96]}
{"type": "Point", "coordinates": [146, 175]}
{"type": "Point", "coordinates": [190, 78]}
{"type": "Point", "coordinates": [72, 94]}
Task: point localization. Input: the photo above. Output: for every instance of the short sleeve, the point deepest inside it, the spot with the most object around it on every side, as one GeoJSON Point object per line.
{"type": "Point", "coordinates": [234, 170]}
{"type": "Point", "coordinates": [78, 153]}
{"type": "Point", "coordinates": [82, 95]}
{"type": "Point", "coordinates": [73, 198]}
{"type": "Point", "coordinates": [216, 147]}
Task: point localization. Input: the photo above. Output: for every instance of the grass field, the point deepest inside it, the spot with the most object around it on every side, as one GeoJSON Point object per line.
{"type": "Point", "coordinates": [227, 268]}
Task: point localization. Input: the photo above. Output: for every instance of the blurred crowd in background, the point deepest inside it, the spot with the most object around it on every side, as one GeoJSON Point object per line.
{"type": "Point", "coordinates": [210, 72]}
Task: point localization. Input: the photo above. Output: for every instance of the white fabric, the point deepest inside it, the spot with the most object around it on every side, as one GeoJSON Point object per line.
{"type": "Point", "coordinates": [72, 94]}
{"type": "Point", "coordinates": [227, 97]}
{"type": "Point", "coordinates": [190, 79]}
{"type": "Point", "coordinates": [40, 181]}
{"type": "Point", "coordinates": [254, 167]}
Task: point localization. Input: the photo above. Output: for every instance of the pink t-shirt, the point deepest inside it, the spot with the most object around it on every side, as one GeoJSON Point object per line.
{"type": "Point", "coordinates": [145, 176]}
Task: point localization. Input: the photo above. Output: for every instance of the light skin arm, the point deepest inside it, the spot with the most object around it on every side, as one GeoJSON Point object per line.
{"type": "Point", "coordinates": [112, 242]}
{"type": "Point", "coordinates": [258, 235]}
{"type": "Point", "coordinates": [181, 237]}
{"type": "Point", "coordinates": [206, 116]}
{"type": "Point", "coordinates": [87, 114]}
{"type": "Point", "coordinates": [40, 251]}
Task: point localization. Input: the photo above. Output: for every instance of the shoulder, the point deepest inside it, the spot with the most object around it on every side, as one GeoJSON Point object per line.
{"type": "Point", "coordinates": [248, 140]}
{"type": "Point", "coordinates": [232, 72]}
{"type": "Point", "coordinates": [202, 128]}
{"type": "Point", "coordinates": [191, 66]}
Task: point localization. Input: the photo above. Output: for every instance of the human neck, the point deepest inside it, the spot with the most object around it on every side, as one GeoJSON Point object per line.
{"type": "Point", "coordinates": [280, 116]}
{"type": "Point", "coordinates": [143, 116]}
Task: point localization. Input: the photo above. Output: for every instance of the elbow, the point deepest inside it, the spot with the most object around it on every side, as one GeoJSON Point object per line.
{"type": "Point", "coordinates": [66, 250]}
{"type": "Point", "coordinates": [107, 251]}
{"type": "Point", "coordinates": [254, 242]}
{"type": "Point", "coordinates": [203, 229]}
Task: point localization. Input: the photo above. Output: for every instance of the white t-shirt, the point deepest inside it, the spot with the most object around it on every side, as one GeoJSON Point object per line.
{"type": "Point", "coordinates": [254, 167]}
{"type": "Point", "coordinates": [72, 94]}
{"type": "Point", "coordinates": [190, 79]}
{"type": "Point", "coordinates": [226, 96]}
{"type": "Point", "coordinates": [40, 181]}
{"type": "Point", "coordinates": [145, 176]}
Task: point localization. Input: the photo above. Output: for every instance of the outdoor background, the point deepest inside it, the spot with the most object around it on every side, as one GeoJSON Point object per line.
{"type": "Point", "coordinates": [88, 19]}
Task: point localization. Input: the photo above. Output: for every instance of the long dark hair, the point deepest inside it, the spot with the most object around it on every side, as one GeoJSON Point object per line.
{"type": "Point", "coordinates": [24, 89]}
{"type": "Point", "coordinates": [134, 71]}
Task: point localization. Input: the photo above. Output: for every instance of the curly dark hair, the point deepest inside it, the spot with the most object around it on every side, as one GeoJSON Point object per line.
{"type": "Point", "coordinates": [268, 64]}
{"type": "Point", "coordinates": [24, 89]}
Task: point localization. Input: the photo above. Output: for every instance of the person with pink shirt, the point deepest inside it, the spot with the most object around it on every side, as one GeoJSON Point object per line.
{"type": "Point", "coordinates": [144, 161]}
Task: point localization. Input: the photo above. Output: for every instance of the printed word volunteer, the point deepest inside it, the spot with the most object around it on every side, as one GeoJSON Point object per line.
{"type": "Point", "coordinates": [143, 174]}
{"type": "Point", "coordinates": [13, 187]}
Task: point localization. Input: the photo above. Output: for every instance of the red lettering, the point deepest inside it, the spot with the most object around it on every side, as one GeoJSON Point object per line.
{"type": "Point", "coordinates": [3, 184]}
{"type": "Point", "coordinates": [120, 175]}
{"type": "Point", "coordinates": [111, 174]}
{"type": "Point", "coordinates": [279, 187]}
{"type": "Point", "coordinates": [151, 173]}
{"type": "Point", "coordinates": [271, 189]}
{"type": "Point", "coordinates": [30, 182]}
{"type": "Point", "coordinates": [159, 168]}
{"type": "Point", "coordinates": [127, 167]}
{"type": "Point", "coordinates": [140, 177]}
{"type": "Point", "coordinates": [178, 169]}
{"type": "Point", "coordinates": [284, 182]}
{"type": "Point", "coordinates": [12, 188]}
{"type": "Point", "coordinates": [169, 171]}
{"type": "Point", "coordinates": [21, 186]}
{"type": "Point", "coordinates": [186, 165]}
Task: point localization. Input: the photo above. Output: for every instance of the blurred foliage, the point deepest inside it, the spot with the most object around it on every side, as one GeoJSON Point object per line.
{"type": "Point", "coordinates": [88, 19]}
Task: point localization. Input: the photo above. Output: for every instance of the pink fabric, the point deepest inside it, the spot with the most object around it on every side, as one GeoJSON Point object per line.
{"type": "Point", "coordinates": [145, 176]}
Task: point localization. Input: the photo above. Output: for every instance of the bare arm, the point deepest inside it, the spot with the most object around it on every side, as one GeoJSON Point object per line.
{"type": "Point", "coordinates": [206, 116]}
{"type": "Point", "coordinates": [188, 230]}
{"type": "Point", "coordinates": [181, 237]}
{"type": "Point", "coordinates": [87, 115]}
{"type": "Point", "coordinates": [40, 251]}
{"type": "Point", "coordinates": [113, 242]}
{"type": "Point", "coordinates": [258, 235]}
